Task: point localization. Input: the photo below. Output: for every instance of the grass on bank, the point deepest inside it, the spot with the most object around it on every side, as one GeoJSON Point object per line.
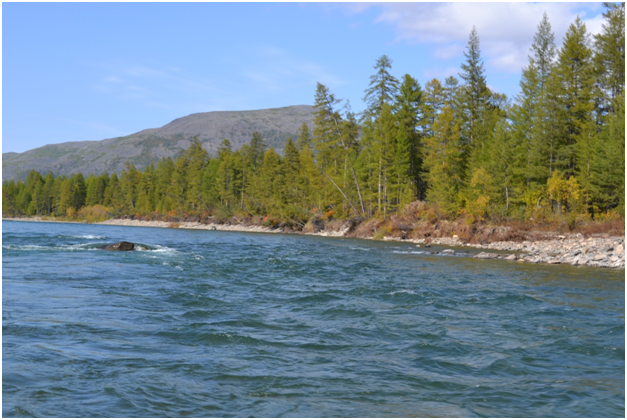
{"type": "Point", "coordinates": [418, 220]}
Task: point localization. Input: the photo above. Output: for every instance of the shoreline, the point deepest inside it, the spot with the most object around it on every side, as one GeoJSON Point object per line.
{"type": "Point", "coordinates": [601, 252]}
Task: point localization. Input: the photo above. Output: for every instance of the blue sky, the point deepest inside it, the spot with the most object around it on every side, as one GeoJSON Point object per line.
{"type": "Point", "coordinates": [90, 71]}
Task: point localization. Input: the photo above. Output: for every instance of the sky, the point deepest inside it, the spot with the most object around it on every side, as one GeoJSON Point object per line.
{"type": "Point", "coordinates": [90, 71]}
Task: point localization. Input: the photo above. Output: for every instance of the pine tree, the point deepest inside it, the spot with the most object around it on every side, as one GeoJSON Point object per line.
{"type": "Point", "coordinates": [543, 49]}
{"type": "Point", "coordinates": [197, 158]}
{"type": "Point", "coordinates": [501, 150]}
{"type": "Point", "coordinates": [271, 182]}
{"type": "Point", "coordinates": [145, 191]}
{"type": "Point", "coordinates": [66, 198]}
{"type": "Point", "coordinates": [10, 193]}
{"type": "Point", "coordinates": [114, 196]}
{"type": "Point", "coordinates": [129, 181]}
{"type": "Point", "coordinates": [382, 89]}
{"type": "Point", "coordinates": [79, 190]}
{"type": "Point", "coordinates": [291, 169]}
{"type": "Point", "coordinates": [609, 60]}
{"type": "Point", "coordinates": [536, 131]}
{"type": "Point", "coordinates": [211, 195]}
{"type": "Point", "coordinates": [408, 107]}
{"type": "Point", "coordinates": [327, 137]}
{"type": "Point", "coordinates": [575, 71]}
{"type": "Point", "coordinates": [304, 137]}
{"type": "Point", "coordinates": [608, 165]}
{"type": "Point", "coordinates": [443, 162]}
{"type": "Point", "coordinates": [530, 165]}
{"type": "Point", "coordinates": [49, 193]}
{"type": "Point", "coordinates": [162, 197]}
{"type": "Point", "coordinates": [475, 94]}
{"type": "Point", "coordinates": [383, 151]}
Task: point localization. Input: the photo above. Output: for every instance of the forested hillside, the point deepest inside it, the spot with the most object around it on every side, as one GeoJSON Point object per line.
{"type": "Point", "coordinates": [150, 145]}
{"type": "Point", "coordinates": [555, 150]}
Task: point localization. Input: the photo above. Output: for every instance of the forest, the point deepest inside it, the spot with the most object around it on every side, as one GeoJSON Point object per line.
{"type": "Point", "coordinates": [555, 151]}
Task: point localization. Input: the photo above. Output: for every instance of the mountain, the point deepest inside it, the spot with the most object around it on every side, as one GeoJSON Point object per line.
{"type": "Point", "coordinates": [146, 146]}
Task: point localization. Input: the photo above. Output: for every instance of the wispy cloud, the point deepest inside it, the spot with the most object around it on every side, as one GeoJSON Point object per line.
{"type": "Point", "coordinates": [97, 126]}
{"type": "Point", "coordinates": [167, 88]}
{"type": "Point", "coordinates": [505, 29]}
{"type": "Point", "coordinates": [441, 73]}
{"type": "Point", "coordinates": [276, 69]}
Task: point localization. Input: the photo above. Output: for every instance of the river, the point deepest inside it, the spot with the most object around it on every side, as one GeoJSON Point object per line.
{"type": "Point", "coordinates": [226, 324]}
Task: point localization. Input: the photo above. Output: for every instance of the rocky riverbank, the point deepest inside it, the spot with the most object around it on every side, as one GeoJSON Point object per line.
{"type": "Point", "coordinates": [601, 251]}
{"type": "Point", "coordinates": [604, 252]}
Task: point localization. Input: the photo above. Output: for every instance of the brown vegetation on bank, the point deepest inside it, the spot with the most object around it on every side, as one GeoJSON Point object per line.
{"type": "Point", "coordinates": [418, 221]}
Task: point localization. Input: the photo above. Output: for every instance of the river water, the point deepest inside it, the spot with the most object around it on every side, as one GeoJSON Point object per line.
{"type": "Point", "coordinates": [217, 324]}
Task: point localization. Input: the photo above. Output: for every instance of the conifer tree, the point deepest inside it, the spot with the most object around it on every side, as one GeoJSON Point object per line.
{"type": "Point", "coordinates": [129, 181]}
{"type": "Point", "coordinates": [79, 190]}
{"type": "Point", "coordinates": [443, 162]}
{"type": "Point", "coordinates": [609, 60]}
{"type": "Point", "coordinates": [145, 191]}
{"type": "Point", "coordinates": [434, 100]}
{"type": "Point", "coordinates": [382, 89]}
{"type": "Point", "coordinates": [196, 158]}
{"type": "Point", "coordinates": [49, 193]}
{"type": "Point", "coordinates": [291, 169]}
{"type": "Point", "coordinates": [66, 198]}
{"type": "Point", "coordinates": [304, 137]}
{"type": "Point", "coordinates": [475, 94]}
{"type": "Point", "coordinates": [163, 198]}
{"type": "Point", "coordinates": [543, 50]}
{"type": "Point", "coordinates": [575, 71]}
{"type": "Point", "coordinates": [408, 107]}
{"type": "Point", "coordinates": [608, 164]}
{"type": "Point", "coordinates": [114, 197]}
{"type": "Point", "coordinates": [326, 132]}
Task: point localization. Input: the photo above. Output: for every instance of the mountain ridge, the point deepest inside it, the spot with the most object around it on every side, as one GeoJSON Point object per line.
{"type": "Point", "coordinates": [151, 144]}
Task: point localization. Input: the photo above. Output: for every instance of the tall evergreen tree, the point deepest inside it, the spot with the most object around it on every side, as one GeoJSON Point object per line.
{"type": "Point", "coordinates": [304, 137]}
{"type": "Point", "coordinates": [609, 60]}
{"type": "Point", "coordinates": [327, 136]}
{"type": "Point", "coordinates": [543, 50]}
{"type": "Point", "coordinates": [408, 108]}
{"type": "Point", "coordinates": [382, 89]}
{"type": "Point", "coordinates": [475, 94]}
{"type": "Point", "coordinates": [443, 162]}
{"type": "Point", "coordinates": [575, 71]}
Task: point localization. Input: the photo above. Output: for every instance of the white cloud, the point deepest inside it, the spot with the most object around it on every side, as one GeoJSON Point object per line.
{"type": "Point", "coordinates": [505, 29]}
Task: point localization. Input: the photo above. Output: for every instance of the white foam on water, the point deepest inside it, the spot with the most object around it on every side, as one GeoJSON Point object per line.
{"type": "Point", "coordinates": [160, 249]}
{"type": "Point", "coordinates": [75, 247]}
{"type": "Point", "coordinates": [408, 291]}
{"type": "Point", "coordinates": [408, 252]}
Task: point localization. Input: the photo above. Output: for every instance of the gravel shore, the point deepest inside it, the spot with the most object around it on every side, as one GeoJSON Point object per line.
{"type": "Point", "coordinates": [602, 251]}
{"type": "Point", "coordinates": [605, 252]}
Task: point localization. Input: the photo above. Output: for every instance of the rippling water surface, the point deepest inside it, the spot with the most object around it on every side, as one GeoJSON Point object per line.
{"type": "Point", "coordinates": [212, 324]}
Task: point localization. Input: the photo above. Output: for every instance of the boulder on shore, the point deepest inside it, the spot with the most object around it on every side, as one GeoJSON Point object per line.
{"type": "Point", "coordinates": [119, 246]}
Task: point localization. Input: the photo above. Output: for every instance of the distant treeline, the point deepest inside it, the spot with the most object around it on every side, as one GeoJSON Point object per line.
{"type": "Point", "coordinates": [558, 148]}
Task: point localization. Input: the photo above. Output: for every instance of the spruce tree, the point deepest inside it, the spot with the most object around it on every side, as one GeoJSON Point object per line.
{"type": "Point", "coordinates": [475, 94]}
{"type": "Point", "coordinates": [543, 50]}
{"type": "Point", "coordinates": [382, 89]}
{"type": "Point", "coordinates": [575, 71]}
{"type": "Point", "coordinates": [609, 59]}
{"type": "Point", "coordinates": [435, 98]}
{"type": "Point", "coordinates": [304, 137]}
{"type": "Point", "coordinates": [408, 108]}
{"type": "Point", "coordinates": [443, 162]}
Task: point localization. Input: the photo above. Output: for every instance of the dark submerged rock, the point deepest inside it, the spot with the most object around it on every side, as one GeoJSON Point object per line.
{"type": "Point", "coordinates": [120, 246]}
